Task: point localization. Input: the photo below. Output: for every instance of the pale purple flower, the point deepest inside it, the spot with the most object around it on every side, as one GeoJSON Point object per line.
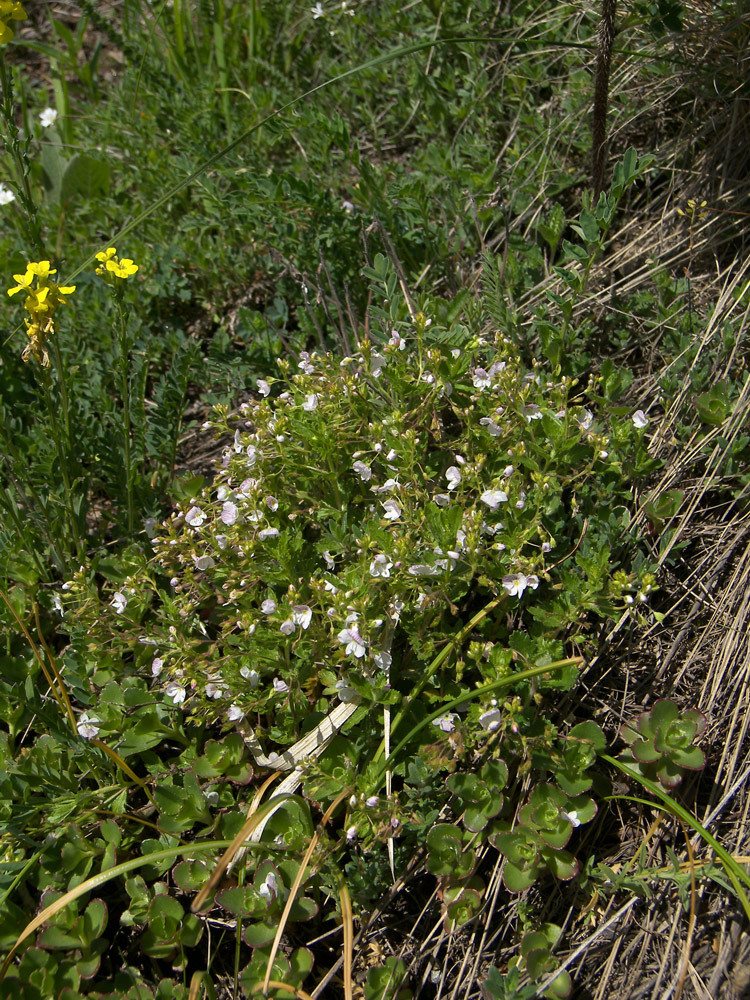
{"type": "Point", "coordinates": [571, 817]}
{"type": "Point", "coordinates": [388, 485]}
{"type": "Point", "coordinates": [272, 503]}
{"type": "Point", "coordinates": [392, 510]}
{"type": "Point", "coordinates": [251, 676]}
{"type": "Point", "coordinates": [546, 547]}
{"type": "Point", "coordinates": [397, 340]}
{"type": "Point", "coordinates": [280, 686]}
{"type": "Point", "coordinates": [268, 606]}
{"type": "Point", "coordinates": [119, 602]}
{"type": "Point", "coordinates": [453, 476]}
{"type": "Point", "coordinates": [441, 499]}
{"type": "Point", "coordinates": [203, 563]}
{"type": "Point", "coordinates": [377, 364]}
{"type": "Point", "coordinates": [195, 517]}
{"type": "Point", "coordinates": [445, 722]}
{"type": "Point", "coordinates": [263, 387]}
{"type": "Point", "coordinates": [383, 659]}
{"type": "Point", "coordinates": [355, 644]}
{"type": "Point", "coordinates": [532, 412]}
{"type": "Point", "coordinates": [157, 665]}
{"type": "Point", "coordinates": [640, 420]}
{"type": "Point", "coordinates": [585, 420]}
{"type": "Point", "coordinates": [372, 801]}
{"type": "Point", "coordinates": [363, 471]}
{"type": "Point", "coordinates": [176, 692]}
{"type": "Point", "coordinates": [229, 512]}
{"type": "Point", "coordinates": [268, 888]}
{"type": "Point", "coordinates": [310, 403]}
{"type": "Point", "coordinates": [304, 363]}
{"type": "Point", "coordinates": [346, 693]}
{"type": "Point", "coordinates": [287, 627]}
{"type": "Point", "coordinates": [302, 615]}
{"type": "Point", "coordinates": [252, 455]}
{"type": "Point", "coordinates": [234, 713]}
{"type": "Point", "coordinates": [481, 379]}
{"type": "Point", "coordinates": [87, 726]}
{"type": "Point", "coordinates": [214, 691]}
{"type": "Point", "coordinates": [521, 502]}
{"type": "Point", "coordinates": [508, 471]}
{"type": "Point", "coordinates": [268, 533]}
{"type": "Point", "coordinates": [222, 541]}
{"type": "Point", "coordinates": [381, 566]}
{"type": "Point", "coordinates": [494, 429]}
{"type": "Point", "coordinates": [493, 498]}
{"type": "Point", "coordinates": [491, 720]}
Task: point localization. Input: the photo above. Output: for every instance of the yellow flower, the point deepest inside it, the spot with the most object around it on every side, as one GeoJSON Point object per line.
{"type": "Point", "coordinates": [113, 267]}
{"type": "Point", "coordinates": [9, 11]}
{"type": "Point", "coordinates": [41, 302]}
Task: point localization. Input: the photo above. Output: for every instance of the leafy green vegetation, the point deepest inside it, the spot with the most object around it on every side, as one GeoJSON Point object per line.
{"type": "Point", "coordinates": [343, 430]}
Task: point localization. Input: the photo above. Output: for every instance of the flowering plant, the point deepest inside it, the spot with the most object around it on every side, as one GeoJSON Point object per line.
{"type": "Point", "coordinates": [364, 512]}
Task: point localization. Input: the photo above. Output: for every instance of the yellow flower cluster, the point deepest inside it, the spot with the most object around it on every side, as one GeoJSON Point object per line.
{"type": "Point", "coordinates": [42, 299]}
{"type": "Point", "coordinates": [9, 11]}
{"type": "Point", "coordinates": [112, 267]}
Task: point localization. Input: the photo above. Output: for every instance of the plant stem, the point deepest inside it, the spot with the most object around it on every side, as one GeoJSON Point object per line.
{"type": "Point", "coordinates": [19, 158]}
{"type": "Point", "coordinates": [125, 389]}
{"type": "Point", "coordinates": [62, 451]}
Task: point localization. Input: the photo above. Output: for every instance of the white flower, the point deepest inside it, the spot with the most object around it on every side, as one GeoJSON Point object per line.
{"type": "Point", "coordinates": [176, 692]}
{"type": "Point", "coordinates": [157, 665]}
{"type": "Point", "coordinates": [310, 403]}
{"type": "Point", "coordinates": [516, 583]}
{"type": "Point", "coordinates": [229, 512]}
{"type": "Point", "coordinates": [214, 691]}
{"type": "Point", "coordinates": [252, 455]}
{"type": "Point", "coordinates": [268, 533]}
{"type": "Point", "coordinates": [268, 606]}
{"type": "Point", "coordinates": [287, 627]}
{"type": "Point", "coordinates": [397, 340]}
{"type": "Point", "coordinates": [493, 498]}
{"type": "Point", "coordinates": [302, 615]}
{"type": "Point", "coordinates": [48, 117]}
{"type": "Point", "coordinates": [383, 659]}
{"type": "Point", "coordinates": [392, 510]}
{"type": "Point", "coordinates": [88, 726]}
{"type": "Point", "coordinates": [272, 503]}
{"type": "Point", "coordinates": [532, 412]}
{"type": "Point", "coordinates": [363, 471]}
{"type": "Point", "coordinates": [329, 560]}
{"type": "Point", "coordinates": [195, 517]}
{"type": "Point", "coordinates": [521, 502]}
{"type": "Point", "coordinates": [372, 801]}
{"type": "Point", "coordinates": [491, 720]}
{"type": "Point", "coordinates": [355, 644]}
{"type": "Point", "coordinates": [640, 420]}
{"type": "Point", "coordinates": [263, 387]}
{"type": "Point", "coordinates": [234, 713]}
{"type": "Point", "coordinates": [441, 499]}
{"type": "Point", "coordinates": [351, 833]}
{"type": "Point", "coordinates": [453, 476]}
{"type": "Point", "coordinates": [119, 602]}
{"type": "Point", "coordinates": [420, 569]}
{"type": "Point", "coordinates": [6, 195]}
{"type": "Point", "coordinates": [546, 547]}
{"type": "Point", "coordinates": [251, 676]}
{"type": "Point", "coordinates": [317, 11]}
{"type": "Point", "coordinates": [445, 722]}
{"type": "Point", "coordinates": [57, 604]}
{"type": "Point", "coordinates": [381, 566]}
{"type": "Point", "coordinates": [203, 563]}
{"type": "Point", "coordinates": [279, 686]}
{"type": "Point", "coordinates": [481, 379]}
{"type": "Point", "coordinates": [571, 817]}
{"type": "Point", "coordinates": [508, 471]}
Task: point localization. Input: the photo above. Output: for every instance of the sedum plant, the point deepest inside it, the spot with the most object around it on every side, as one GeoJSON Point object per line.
{"type": "Point", "coordinates": [661, 742]}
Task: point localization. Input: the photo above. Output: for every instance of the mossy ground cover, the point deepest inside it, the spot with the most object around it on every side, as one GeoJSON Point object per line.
{"type": "Point", "coordinates": [373, 501]}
